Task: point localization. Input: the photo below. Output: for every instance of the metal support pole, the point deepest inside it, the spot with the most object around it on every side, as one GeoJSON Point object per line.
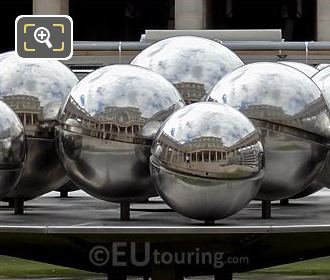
{"type": "Point", "coordinates": [124, 211]}
{"type": "Point", "coordinates": [19, 206]}
{"type": "Point", "coordinates": [11, 203]}
{"type": "Point", "coordinates": [64, 194]}
{"type": "Point", "coordinates": [266, 206]}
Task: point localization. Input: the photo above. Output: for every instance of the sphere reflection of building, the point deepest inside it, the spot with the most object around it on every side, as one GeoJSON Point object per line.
{"type": "Point", "coordinates": [34, 89]}
{"type": "Point", "coordinates": [104, 142]}
{"type": "Point", "coordinates": [191, 92]}
{"type": "Point", "coordinates": [193, 64]}
{"type": "Point", "coordinates": [206, 154]}
{"type": "Point", "coordinates": [120, 122]}
{"type": "Point", "coordinates": [27, 108]}
{"type": "Point", "coordinates": [293, 119]}
{"type": "Point", "coordinates": [207, 160]}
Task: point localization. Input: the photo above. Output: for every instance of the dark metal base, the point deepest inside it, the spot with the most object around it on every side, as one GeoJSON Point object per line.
{"type": "Point", "coordinates": [67, 237]}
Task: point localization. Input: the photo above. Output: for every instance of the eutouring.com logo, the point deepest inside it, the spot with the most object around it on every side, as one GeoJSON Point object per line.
{"type": "Point", "coordinates": [122, 254]}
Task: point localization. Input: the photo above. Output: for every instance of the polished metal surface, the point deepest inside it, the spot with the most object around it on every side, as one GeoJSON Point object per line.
{"type": "Point", "coordinates": [42, 172]}
{"type": "Point", "coordinates": [193, 64]}
{"type": "Point", "coordinates": [310, 72]}
{"type": "Point", "coordinates": [322, 79]}
{"type": "Point", "coordinates": [68, 187]}
{"type": "Point", "coordinates": [35, 89]}
{"type": "Point", "coordinates": [302, 67]}
{"type": "Point", "coordinates": [12, 149]}
{"type": "Point", "coordinates": [108, 124]}
{"type": "Point", "coordinates": [207, 161]}
{"type": "Point", "coordinates": [322, 66]}
{"type": "Point", "coordinates": [293, 120]}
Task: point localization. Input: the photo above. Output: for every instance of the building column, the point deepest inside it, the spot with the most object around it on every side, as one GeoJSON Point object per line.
{"type": "Point", "coordinates": [323, 20]}
{"type": "Point", "coordinates": [190, 14]}
{"type": "Point", "coordinates": [50, 7]}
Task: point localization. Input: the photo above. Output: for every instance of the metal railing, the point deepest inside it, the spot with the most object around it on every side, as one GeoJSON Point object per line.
{"type": "Point", "coordinates": [98, 53]}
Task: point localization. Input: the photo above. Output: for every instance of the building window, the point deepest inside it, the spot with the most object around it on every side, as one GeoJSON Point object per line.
{"type": "Point", "coordinates": [119, 20]}
{"type": "Point", "coordinates": [296, 18]}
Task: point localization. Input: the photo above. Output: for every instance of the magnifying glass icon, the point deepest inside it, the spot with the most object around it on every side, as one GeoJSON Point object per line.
{"type": "Point", "coordinates": [41, 35]}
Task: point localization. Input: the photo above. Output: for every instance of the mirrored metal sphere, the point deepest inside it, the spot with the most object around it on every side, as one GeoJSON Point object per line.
{"type": "Point", "coordinates": [302, 67]}
{"type": "Point", "coordinates": [293, 120]}
{"type": "Point", "coordinates": [310, 72]}
{"type": "Point", "coordinates": [193, 64]}
{"type": "Point", "coordinates": [12, 149]}
{"type": "Point", "coordinates": [108, 124]}
{"type": "Point", "coordinates": [207, 161]}
{"type": "Point", "coordinates": [34, 89]}
{"type": "Point", "coordinates": [322, 79]}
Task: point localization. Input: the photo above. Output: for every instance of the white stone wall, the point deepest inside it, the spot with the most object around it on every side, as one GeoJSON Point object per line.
{"type": "Point", "coordinates": [190, 14]}
{"type": "Point", "coordinates": [323, 20]}
{"type": "Point", "coordinates": [50, 7]}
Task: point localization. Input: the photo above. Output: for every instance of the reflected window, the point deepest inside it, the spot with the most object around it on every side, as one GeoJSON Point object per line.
{"type": "Point", "coordinates": [199, 157]}
{"type": "Point", "coordinates": [212, 156]}
{"type": "Point", "coordinates": [206, 156]}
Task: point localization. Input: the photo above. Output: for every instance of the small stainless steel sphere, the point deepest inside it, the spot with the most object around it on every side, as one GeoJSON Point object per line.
{"type": "Point", "coordinates": [108, 124]}
{"type": "Point", "coordinates": [293, 119]}
{"type": "Point", "coordinates": [207, 161]}
{"type": "Point", "coordinates": [12, 149]}
{"type": "Point", "coordinates": [193, 64]}
{"type": "Point", "coordinates": [308, 70]}
{"type": "Point", "coordinates": [34, 89]}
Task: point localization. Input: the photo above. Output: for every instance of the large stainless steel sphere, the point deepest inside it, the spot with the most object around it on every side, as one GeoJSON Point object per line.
{"type": "Point", "coordinates": [108, 124]}
{"type": "Point", "coordinates": [293, 120]}
{"type": "Point", "coordinates": [308, 70]}
{"type": "Point", "coordinates": [12, 149]}
{"type": "Point", "coordinates": [322, 79]}
{"type": "Point", "coordinates": [34, 89]}
{"type": "Point", "coordinates": [193, 64]}
{"type": "Point", "coordinates": [207, 161]}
